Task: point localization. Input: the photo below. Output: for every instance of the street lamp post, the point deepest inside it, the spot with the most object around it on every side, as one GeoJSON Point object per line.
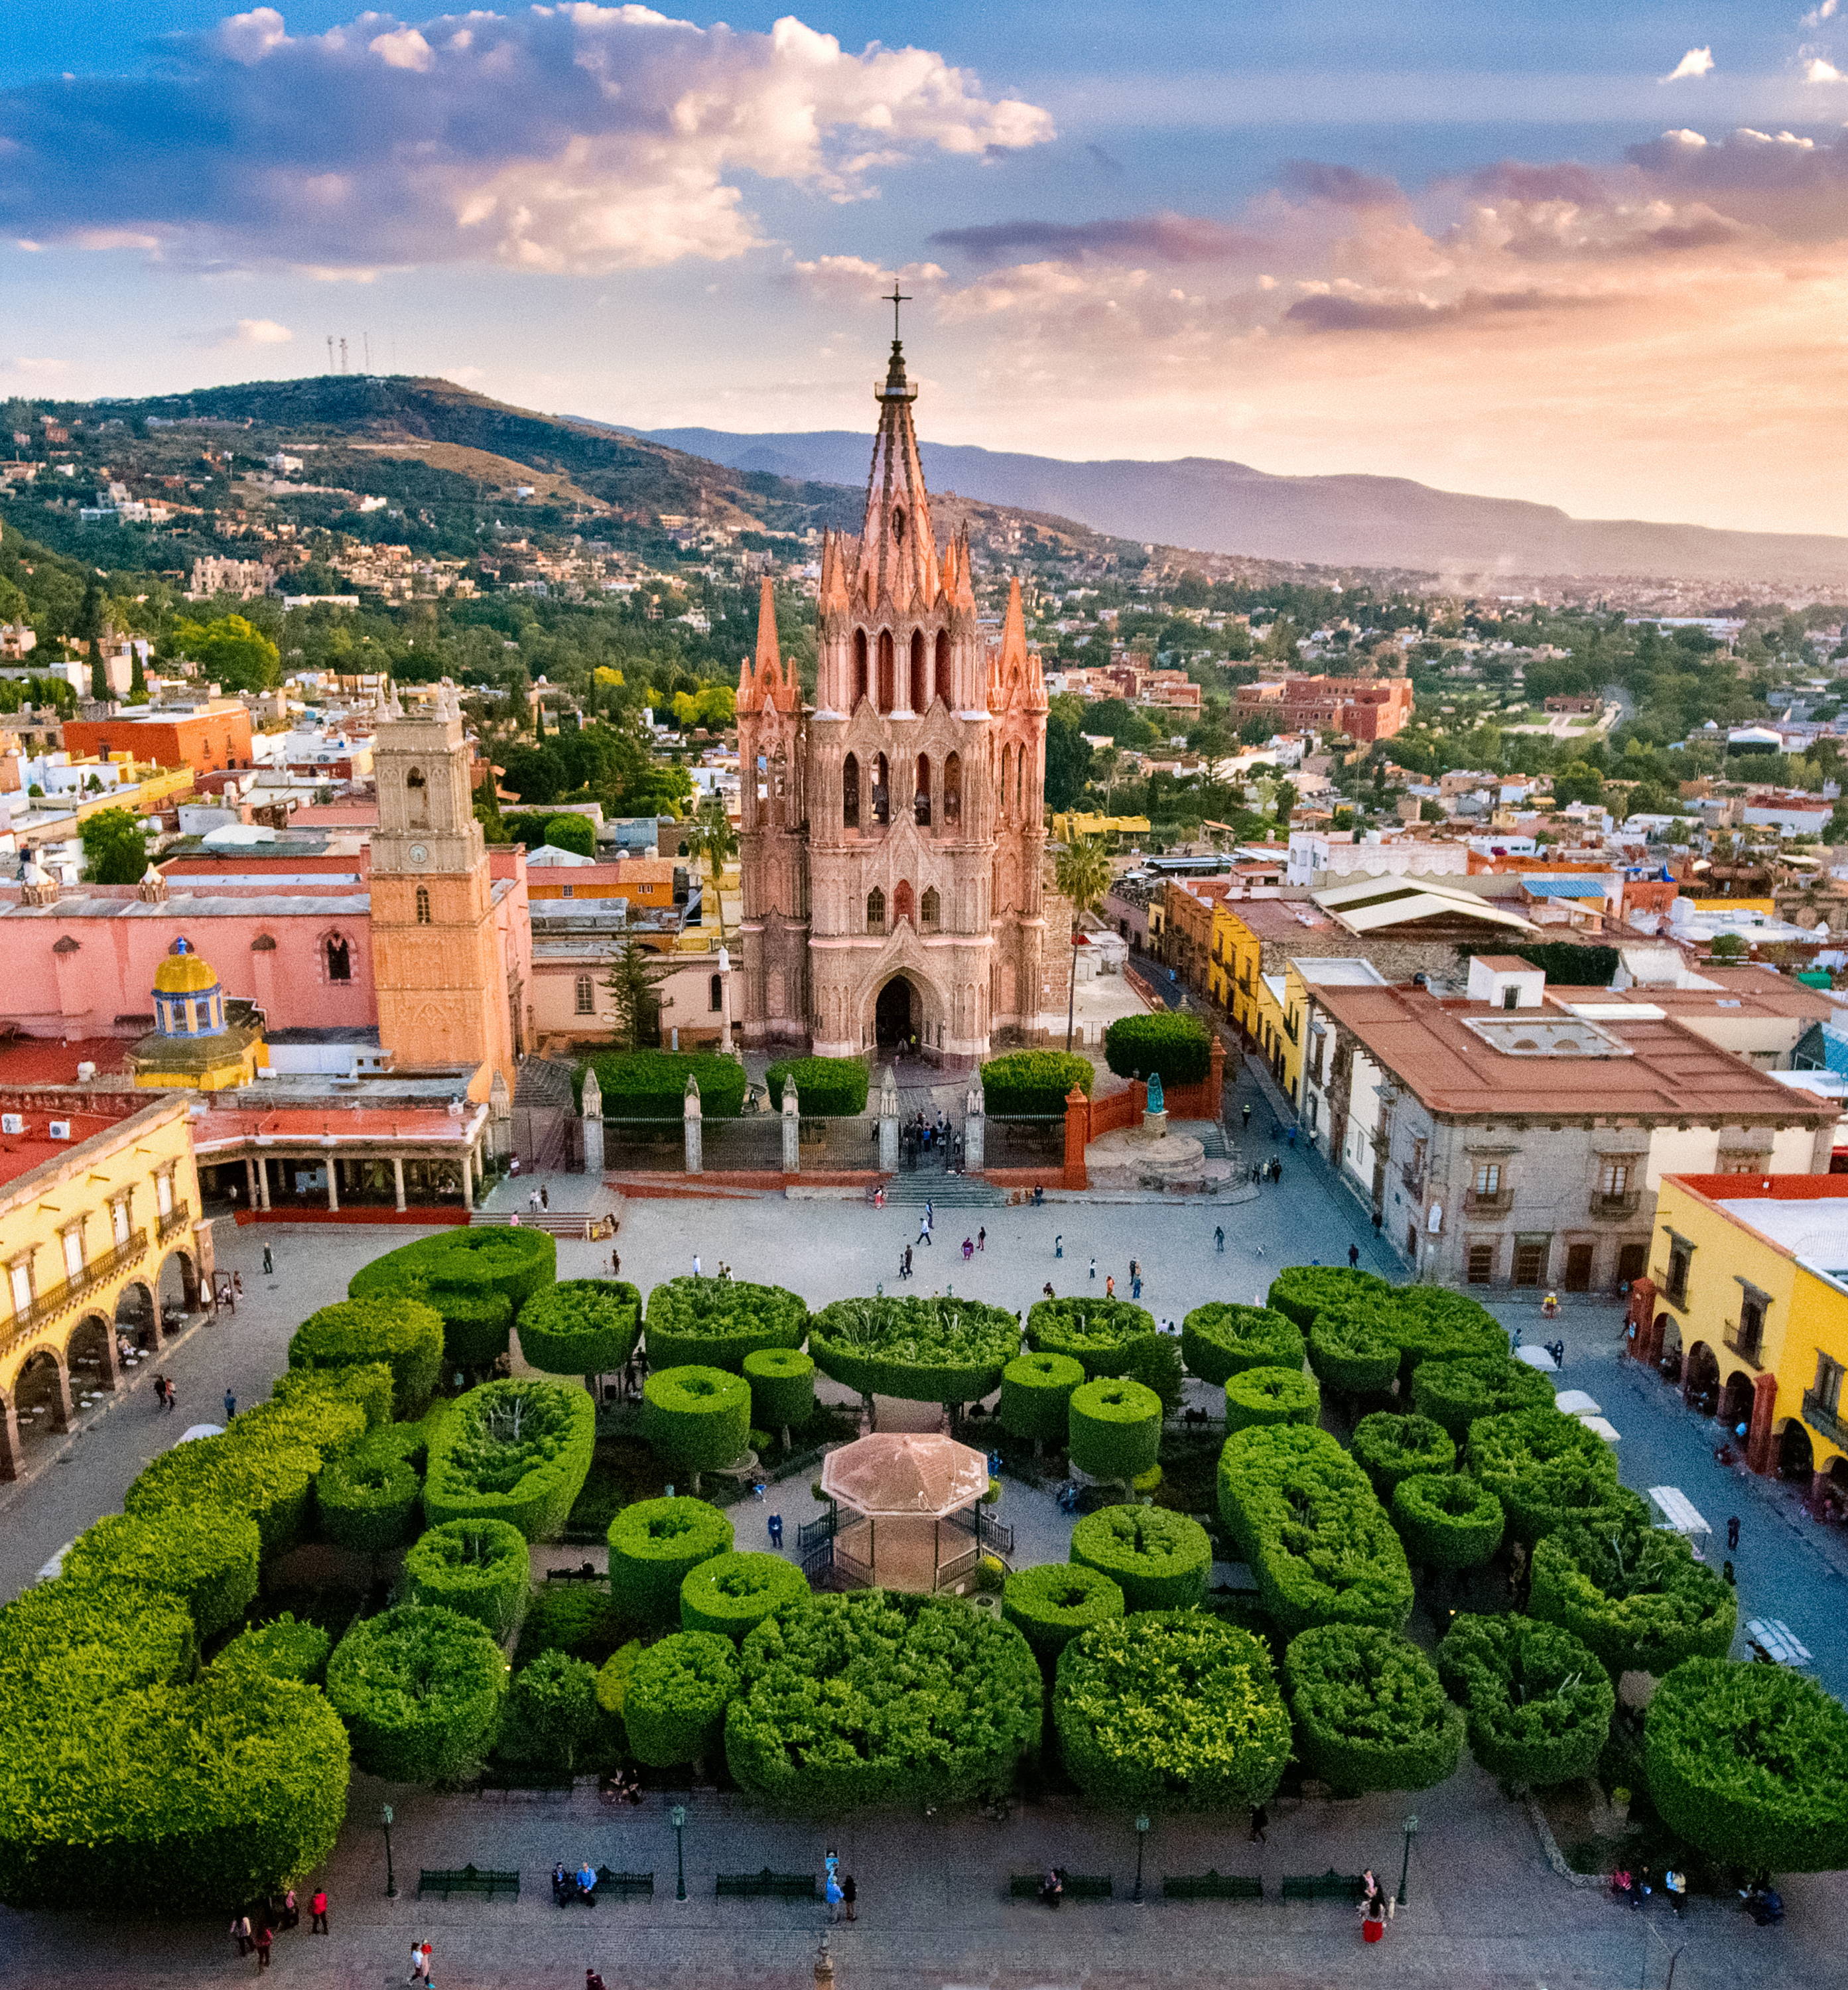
{"type": "Point", "coordinates": [1411, 1832]}
{"type": "Point", "coordinates": [391, 1883]}
{"type": "Point", "coordinates": [680, 1863]}
{"type": "Point", "coordinates": [1142, 1838]}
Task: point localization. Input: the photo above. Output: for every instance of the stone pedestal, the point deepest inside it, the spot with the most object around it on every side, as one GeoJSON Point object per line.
{"type": "Point", "coordinates": [593, 1108]}
{"type": "Point", "coordinates": [693, 1128]}
{"type": "Point", "coordinates": [792, 1130]}
{"type": "Point", "coordinates": [975, 1132]}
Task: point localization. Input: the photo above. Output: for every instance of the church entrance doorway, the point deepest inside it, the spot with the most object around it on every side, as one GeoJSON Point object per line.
{"type": "Point", "coordinates": [895, 1016]}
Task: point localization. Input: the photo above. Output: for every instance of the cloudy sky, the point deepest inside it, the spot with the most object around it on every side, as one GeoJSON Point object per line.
{"type": "Point", "coordinates": [1593, 255]}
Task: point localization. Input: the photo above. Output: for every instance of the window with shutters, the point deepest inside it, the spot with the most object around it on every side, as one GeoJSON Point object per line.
{"type": "Point", "coordinates": [586, 995]}
{"type": "Point", "coordinates": [1482, 1264]}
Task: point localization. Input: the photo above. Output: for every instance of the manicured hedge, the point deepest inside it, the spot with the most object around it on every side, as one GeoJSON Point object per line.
{"type": "Point", "coordinates": [1447, 1519]}
{"type": "Point", "coordinates": [1114, 1429]}
{"type": "Point", "coordinates": [1388, 1446]}
{"type": "Point", "coordinates": [551, 1717]}
{"type": "Point", "coordinates": [1634, 1593]}
{"type": "Point", "coordinates": [1302, 1292]}
{"type": "Point", "coordinates": [369, 1498]}
{"type": "Point", "coordinates": [518, 1451]}
{"type": "Point", "coordinates": [696, 1419]}
{"type": "Point", "coordinates": [1259, 1396]}
{"type": "Point", "coordinates": [1544, 1467]}
{"type": "Point", "coordinates": [117, 1638]}
{"type": "Point", "coordinates": [581, 1327]}
{"type": "Point", "coordinates": [579, 1617]}
{"type": "Point", "coordinates": [206, 1556]}
{"type": "Point", "coordinates": [476, 1279]}
{"type": "Point", "coordinates": [654, 1545]}
{"type": "Point", "coordinates": [1104, 1334]}
{"type": "Point", "coordinates": [1034, 1084]}
{"type": "Point", "coordinates": [1370, 1711]}
{"type": "Point", "coordinates": [1455, 1392]}
{"type": "Point", "coordinates": [1750, 1763]}
{"type": "Point", "coordinates": [1221, 1341]}
{"type": "Point", "coordinates": [652, 1085]}
{"type": "Point", "coordinates": [874, 1697]}
{"type": "Point", "coordinates": [715, 1322]}
{"type": "Point", "coordinates": [920, 1350]}
{"type": "Point", "coordinates": [1172, 1710]}
{"type": "Point", "coordinates": [1353, 1348]}
{"type": "Point", "coordinates": [321, 1421]}
{"type": "Point", "coordinates": [782, 1388]}
{"type": "Point", "coordinates": [733, 1593]}
{"type": "Point", "coordinates": [825, 1088]}
{"type": "Point", "coordinates": [1176, 1044]}
{"type": "Point", "coordinates": [1049, 1604]}
{"type": "Point", "coordinates": [478, 1568]}
{"type": "Point", "coordinates": [419, 1689]}
{"type": "Point", "coordinates": [286, 1648]}
{"type": "Point", "coordinates": [1307, 1520]}
{"type": "Point", "coordinates": [1036, 1395]}
{"type": "Point", "coordinates": [271, 1483]}
{"type": "Point", "coordinates": [1431, 1323]}
{"type": "Point", "coordinates": [367, 1384]}
{"type": "Point", "coordinates": [674, 1707]}
{"type": "Point", "coordinates": [1159, 1559]}
{"type": "Point", "coordinates": [403, 1333]}
{"type": "Point", "coordinates": [1538, 1703]}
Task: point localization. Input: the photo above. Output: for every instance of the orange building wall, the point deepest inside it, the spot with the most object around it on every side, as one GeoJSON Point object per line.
{"type": "Point", "coordinates": [205, 742]}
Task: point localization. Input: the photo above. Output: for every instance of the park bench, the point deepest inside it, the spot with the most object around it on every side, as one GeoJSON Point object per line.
{"type": "Point", "coordinates": [1212, 1886]}
{"type": "Point", "coordinates": [766, 1885]}
{"type": "Point", "coordinates": [466, 1880]}
{"type": "Point", "coordinates": [624, 1883]}
{"type": "Point", "coordinates": [1329, 1886]}
{"type": "Point", "coordinates": [1078, 1886]}
{"type": "Point", "coordinates": [584, 1573]}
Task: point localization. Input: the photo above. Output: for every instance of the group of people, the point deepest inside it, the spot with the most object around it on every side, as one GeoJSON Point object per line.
{"type": "Point", "coordinates": [1632, 1889]}
{"type": "Point", "coordinates": [568, 1886]}
{"type": "Point", "coordinates": [620, 1786]}
{"type": "Point", "coordinates": [253, 1932]}
{"type": "Point", "coordinates": [922, 1140]}
{"type": "Point", "coordinates": [1263, 1171]}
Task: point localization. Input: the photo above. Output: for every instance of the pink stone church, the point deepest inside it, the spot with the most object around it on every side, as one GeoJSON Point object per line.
{"type": "Point", "coordinates": [892, 833]}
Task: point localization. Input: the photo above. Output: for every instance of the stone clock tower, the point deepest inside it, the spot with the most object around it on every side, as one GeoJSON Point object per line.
{"type": "Point", "coordinates": [435, 955]}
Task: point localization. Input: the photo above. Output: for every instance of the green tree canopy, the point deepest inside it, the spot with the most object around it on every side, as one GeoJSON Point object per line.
{"type": "Point", "coordinates": [231, 651]}
{"type": "Point", "coordinates": [115, 852]}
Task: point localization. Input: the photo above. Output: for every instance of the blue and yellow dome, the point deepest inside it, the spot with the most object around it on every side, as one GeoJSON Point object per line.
{"type": "Point", "coordinates": [188, 1000]}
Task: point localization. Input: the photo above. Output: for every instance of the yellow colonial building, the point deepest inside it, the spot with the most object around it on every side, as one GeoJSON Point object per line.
{"type": "Point", "coordinates": [102, 1249]}
{"type": "Point", "coordinates": [1748, 1286]}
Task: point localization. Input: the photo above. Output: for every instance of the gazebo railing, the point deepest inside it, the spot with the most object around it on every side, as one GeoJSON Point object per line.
{"type": "Point", "coordinates": [988, 1531]}
{"type": "Point", "coordinates": [850, 1568]}
{"type": "Point", "coordinates": [957, 1566]}
{"type": "Point", "coordinates": [812, 1531]}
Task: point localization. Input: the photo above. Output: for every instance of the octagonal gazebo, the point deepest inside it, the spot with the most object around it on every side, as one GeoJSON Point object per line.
{"type": "Point", "coordinates": [905, 1489]}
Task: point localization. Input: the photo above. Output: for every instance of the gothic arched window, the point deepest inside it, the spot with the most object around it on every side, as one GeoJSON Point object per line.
{"type": "Point", "coordinates": [921, 802]}
{"type": "Point", "coordinates": [1020, 784]}
{"type": "Point", "coordinates": [881, 790]}
{"type": "Point", "coordinates": [931, 908]}
{"type": "Point", "coordinates": [586, 995]}
{"type": "Point", "coordinates": [715, 992]}
{"type": "Point", "coordinates": [886, 689]}
{"type": "Point", "coordinates": [849, 793]}
{"type": "Point", "coordinates": [338, 956]}
{"type": "Point", "coordinates": [943, 666]}
{"type": "Point", "coordinates": [860, 683]}
{"type": "Point", "coordinates": [1005, 751]}
{"type": "Point", "coordinates": [952, 789]}
{"type": "Point", "coordinates": [416, 797]}
{"type": "Point", "coordinates": [875, 910]}
{"type": "Point", "coordinates": [901, 906]}
{"type": "Point", "coordinates": [920, 680]}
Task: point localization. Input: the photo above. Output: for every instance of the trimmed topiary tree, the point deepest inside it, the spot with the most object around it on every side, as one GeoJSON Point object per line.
{"type": "Point", "coordinates": [420, 1689]}
{"type": "Point", "coordinates": [1172, 1710]}
{"type": "Point", "coordinates": [782, 1382]}
{"type": "Point", "coordinates": [1431, 1323]}
{"type": "Point", "coordinates": [550, 1717]}
{"type": "Point", "coordinates": [324, 1422]}
{"type": "Point", "coordinates": [206, 1556]}
{"type": "Point", "coordinates": [696, 1419]}
{"type": "Point", "coordinates": [270, 1482]}
{"type": "Point", "coordinates": [1447, 1519]}
{"type": "Point", "coordinates": [878, 1698]}
{"type": "Point", "coordinates": [476, 1279]}
{"type": "Point", "coordinates": [825, 1088]}
{"type": "Point", "coordinates": [1221, 1341]}
{"type": "Point", "coordinates": [1259, 1396]}
{"type": "Point", "coordinates": [715, 1322]}
{"type": "Point", "coordinates": [1102, 1334]}
{"type": "Point", "coordinates": [1455, 1392]}
{"type": "Point", "coordinates": [1546, 1468]}
{"type": "Point", "coordinates": [919, 1350]}
{"type": "Point", "coordinates": [369, 1498]}
{"type": "Point", "coordinates": [674, 1707]}
{"type": "Point", "coordinates": [654, 1545]}
{"type": "Point", "coordinates": [1159, 1559]}
{"type": "Point", "coordinates": [366, 1384]}
{"type": "Point", "coordinates": [1049, 1604]}
{"type": "Point", "coordinates": [1114, 1429]}
{"type": "Point", "coordinates": [1174, 1042]}
{"type": "Point", "coordinates": [1034, 1084]}
{"type": "Point", "coordinates": [1634, 1593]}
{"type": "Point", "coordinates": [581, 1327]}
{"type": "Point", "coordinates": [1036, 1395]}
{"type": "Point", "coordinates": [401, 1331]}
{"type": "Point", "coordinates": [1352, 1350]}
{"type": "Point", "coordinates": [1304, 1290]}
{"type": "Point", "coordinates": [1307, 1520]}
{"type": "Point", "coordinates": [1750, 1763]}
{"type": "Point", "coordinates": [733, 1593]}
{"type": "Point", "coordinates": [518, 1451]}
{"type": "Point", "coordinates": [1388, 1446]}
{"type": "Point", "coordinates": [478, 1568]}
{"type": "Point", "coordinates": [286, 1648]}
{"type": "Point", "coordinates": [1538, 1703]}
{"type": "Point", "coordinates": [1370, 1711]}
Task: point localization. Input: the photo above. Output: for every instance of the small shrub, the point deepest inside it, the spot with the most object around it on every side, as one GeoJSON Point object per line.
{"type": "Point", "coordinates": [1546, 1468]}
{"type": "Point", "coordinates": [1034, 1084]}
{"type": "Point", "coordinates": [1388, 1446]}
{"type": "Point", "coordinates": [920, 1350]}
{"type": "Point", "coordinates": [1174, 1042]}
{"type": "Point", "coordinates": [518, 1451]}
{"type": "Point", "coordinates": [1538, 1704]}
{"type": "Point", "coordinates": [679, 1690]}
{"type": "Point", "coordinates": [419, 1689]}
{"type": "Point", "coordinates": [1259, 1396]}
{"type": "Point", "coordinates": [1102, 1334]}
{"type": "Point", "coordinates": [1304, 1290]}
{"type": "Point", "coordinates": [1220, 1340]}
{"type": "Point", "coordinates": [579, 1619]}
{"type": "Point", "coordinates": [368, 1498]}
{"type": "Point", "coordinates": [1036, 1391]}
{"type": "Point", "coordinates": [1114, 1429]}
{"type": "Point", "coordinates": [732, 1593]}
{"type": "Point", "coordinates": [476, 1279]}
{"type": "Point", "coordinates": [1370, 1711]}
{"type": "Point", "coordinates": [1352, 1350]}
{"type": "Point", "coordinates": [1447, 1521]}
{"type": "Point", "coordinates": [652, 1085]}
{"type": "Point", "coordinates": [653, 1546]}
{"type": "Point", "coordinates": [1159, 1559]}
{"type": "Point", "coordinates": [478, 1568]}
{"type": "Point", "coordinates": [825, 1088]}
{"type": "Point", "coordinates": [1634, 1593]}
{"type": "Point", "coordinates": [715, 1322]}
{"type": "Point", "coordinates": [269, 1482]}
{"type": "Point", "coordinates": [367, 1384]}
{"type": "Point", "coordinates": [1051, 1604]}
{"type": "Point", "coordinates": [550, 1717]}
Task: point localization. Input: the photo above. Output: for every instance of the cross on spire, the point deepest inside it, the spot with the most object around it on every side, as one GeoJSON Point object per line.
{"type": "Point", "coordinates": [894, 297]}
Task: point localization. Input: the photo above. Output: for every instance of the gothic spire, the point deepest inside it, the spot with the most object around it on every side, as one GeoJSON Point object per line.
{"type": "Point", "coordinates": [898, 557]}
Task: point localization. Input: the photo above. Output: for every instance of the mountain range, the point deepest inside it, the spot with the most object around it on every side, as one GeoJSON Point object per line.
{"type": "Point", "coordinates": [1216, 506]}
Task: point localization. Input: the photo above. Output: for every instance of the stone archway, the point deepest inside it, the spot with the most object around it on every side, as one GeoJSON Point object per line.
{"type": "Point", "coordinates": [898, 1014]}
{"type": "Point", "coordinates": [1700, 1379]}
{"type": "Point", "coordinates": [178, 1288]}
{"type": "Point", "coordinates": [41, 1398]}
{"type": "Point", "coordinates": [1736, 1401]}
{"type": "Point", "coordinates": [90, 1354]}
{"type": "Point", "coordinates": [135, 1315]}
{"type": "Point", "coordinates": [1796, 1454]}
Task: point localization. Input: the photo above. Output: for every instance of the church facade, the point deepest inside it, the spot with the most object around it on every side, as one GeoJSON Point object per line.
{"type": "Point", "coordinates": [892, 833]}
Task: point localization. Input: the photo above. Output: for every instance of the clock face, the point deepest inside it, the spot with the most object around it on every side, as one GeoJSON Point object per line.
{"type": "Point", "coordinates": [419, 854]}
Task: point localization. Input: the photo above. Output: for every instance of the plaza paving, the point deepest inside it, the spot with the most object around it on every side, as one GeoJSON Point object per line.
{"type": "Point", "coordinates": [1486, 1909]}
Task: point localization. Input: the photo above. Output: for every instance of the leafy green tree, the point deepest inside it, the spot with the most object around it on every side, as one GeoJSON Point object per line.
{"type": "Point", "coordinates": [709, 836]}
{"type": "Point", "coordinates": [1067, 755]}
{"type": "Point", "coordinates": [115, 852]}
{"type": "Point", "coordinates": [575, 833]}
{"type": "Point", "coordinates": [631, 983]}
{"type": "Point", "coordinates": [1082, 874]}
{"type": "Point", "coordinates": [231, 651]}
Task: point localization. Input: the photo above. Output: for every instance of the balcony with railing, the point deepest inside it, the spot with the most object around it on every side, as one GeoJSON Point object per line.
{"type": "Point", "coordinates": [1747, 1341]}
{"type": "Point", "coordinates": [176, 1220]}
{"type": "Point", "coordinates": [1826, 1419]}
{"type": "Point", "coordinates": [68, 1292]}
{"type": "Point", "coordinates": [1489, 1202]}
{"type": "Point", "coordinates": [1622, 1202]}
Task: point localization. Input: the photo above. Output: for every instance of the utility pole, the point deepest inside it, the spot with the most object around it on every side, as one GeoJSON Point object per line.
{"type": "Point", "coordinates": [330, 352]}
{"type": "Point", "coordinates": [343, 355]}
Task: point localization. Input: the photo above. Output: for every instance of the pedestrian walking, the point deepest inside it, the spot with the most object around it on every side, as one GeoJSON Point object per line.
{"type": "Point", "coordinates": [1732, 1533]}
{"type": "Point", "coordinates": [418, 1964]}
{"type": "Point", "coordinates": [1674, 1884]}
{"type": "Point", "coordinates": [981, 1238]}
{"type": "Point", "coordinates": [429, 1975]}
{"type": "Point", "coordinates": [924, 1236]}
{"type": "Point", "coordinates": [1093, 1271]}
{"type": "Point", "coordinates": [1135, 1285]}
{"type": "Point", "coordinates": [269, 1262]}
{"type": "Point", "coordinates": [230, 1406]}
{"type": "Point", "coordinates": [850, 1895]}
{"type": "Point", "coordinates": [318, 1910]}
{"type": "Point", "coordinates": [1726, 1575]}
{"type": "Point", "coordinates": [264, 1937]}
{"type": "Point", "coordinates": [160, 1390]}
{"type": "Point", "coordinates": [775, 1524]}
{"type": "Point", "coordinates": [1354, 1256]}
{"type": "Point", "coordinates": [1245, 1116]}
{"type": "Point", "coordinates": [1110, 1286]}
{"type": "Point", "coordinates": [930, 1214]}
{"type": "Point", "coordinates": [697, 1273]}
{"type": "Point", "coordinates": [616, 1264]}
{"type": "Point", "coordinates": [1059, 1245]}
{"type": "Point", "coordinates": [532, 1201]}
{"type": "Point", "coordinates": [1219, 1238]}
{"type": "Point", "coordinates": [291, 1909]}
{"type": "Point", "coordinates": [835, 1897]}
{"type": "Point", "coordinates": [545, 1196]}
{"type": "Point", "coordinates": [237, 1285]}
{"type": "Point", "coordinates": [240, 1934]}
{"type": "Point", "coordinates": [1260, 1824]}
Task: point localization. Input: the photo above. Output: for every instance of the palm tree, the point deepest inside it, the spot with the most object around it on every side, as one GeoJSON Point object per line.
{"type": "Point", "coordinates": [1082, 874]}
{"type": "Point", "coordinates": [710, 837]}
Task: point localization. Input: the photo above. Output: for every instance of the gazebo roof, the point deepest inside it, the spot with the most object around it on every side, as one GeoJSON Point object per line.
{"type": "Point", "coordinates": [905, 1472]}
